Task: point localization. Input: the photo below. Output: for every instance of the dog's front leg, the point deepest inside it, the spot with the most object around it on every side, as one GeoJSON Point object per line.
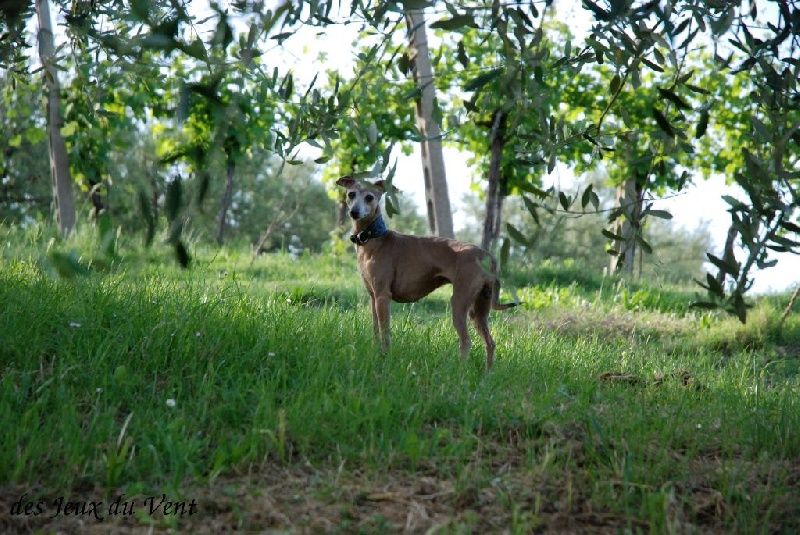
{"type": "Point", "coordinates": [373, 305]}
{"type": "Point", "coordinates": [381, 315]}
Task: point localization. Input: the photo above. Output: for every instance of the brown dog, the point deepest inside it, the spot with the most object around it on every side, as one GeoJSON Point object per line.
{"type": "Point", "coordinates": [406, 268]}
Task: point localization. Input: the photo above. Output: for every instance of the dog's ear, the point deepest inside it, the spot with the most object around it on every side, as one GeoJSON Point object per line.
{"type": "Point", "coordinates": [346, 181]}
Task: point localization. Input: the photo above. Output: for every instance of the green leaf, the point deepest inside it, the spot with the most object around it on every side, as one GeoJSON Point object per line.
{"type": "Point", "coordinates": [660, 214]}
{"type": "Point", "coordinates": [599, 12]}
{"type": "Point", "coordinates": [656, 67]}
{"type": "Point", "coordinates": [616, 83]}
{"type": "Point", "coordinates": [764, 263]}
{"type": "Point", "coordinates": [785, 242]}
{"type": "Point", "coordinates": [791, 227]}
{"type": "Point", "coordinates": [611, 236]}
{"type": "Point", "coordinates": [531, 207]}
{"type": "Point", "coordinates": [35, 135]}
{"type": "Point", "coordinates": [287, 87]}
{"type": "Point", "coordinates": [282, 36]}
{"type": "Point", "coordinates": [15, 141]}
{"type": "Point", "coordinates": [141, 10]}
{"type": "Point", "coordinates": [662, 122]}
{"type": "Point", "coordinates": [564, 200]}
{"type": "Point", "coordinates": [404, 64]}
{"type": "Point", "coordinates": [392, 204]}
{"type": "Point", "coordinates": [196, 50]}
{"type": "Point", "coordinates": [696, 89]}
{"type": "Point", "coordinates": [705, 305]}
{"type": "Point", "coordinates": [69, 129]}
{"type": "Point", "coordinates": [586, 198]}
{"type": "Point", "coordinates": [595, 200]}
{"type": "Point", "coordinates": [735, 203]}
{"type": "Point", "coordinates": [518, 236]}
{"type": "Point", "coordinates": [725, 267]}
{"type": "Point", "coordinates": [682, 180]}
{"type": "Point", "coordinates": [461, 54]}
{"type": "Point", "coordinates": [714, 286]}
{"type": "Point", "coordinates": [702, 125]}
{"type": "Point", "coordinates": [674, 98]}
{"type": "Point", "coordinates": [483, 79]}
{"type": "Point", "coordinates": [414, 94]}
{"type": "Point", "coordinates": [531, 188]}
{"type": "Point", "coordinates": [456, 23]}
{"type": "Point", "coordinates": [416, 4]}
{"type": "Point", "coordinates": [646, 247]}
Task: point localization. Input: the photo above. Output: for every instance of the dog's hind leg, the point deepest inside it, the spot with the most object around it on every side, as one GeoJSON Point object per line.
{"type": "Point", "coordinates": [461, 304]}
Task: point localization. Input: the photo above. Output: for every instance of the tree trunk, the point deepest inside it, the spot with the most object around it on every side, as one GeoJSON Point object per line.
{"type": "Point", "coordinates": [788, 309]}
{"type": "Point", "coordinates": [226, 202]}
{"type": "Point", "coordinates": [440, 216]}
{"type": "Point", "coordinates": [496, 190]}
{"type": "Point", "coordinates": [629, 198]}
{"type": "Point", "coordinates": [342, 213]}
{"type": "Point", "coordinates": [63, 196]}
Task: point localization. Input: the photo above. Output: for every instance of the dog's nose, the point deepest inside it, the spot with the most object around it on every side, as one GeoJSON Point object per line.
{"type": "Point", "coordinates": [354, 214]}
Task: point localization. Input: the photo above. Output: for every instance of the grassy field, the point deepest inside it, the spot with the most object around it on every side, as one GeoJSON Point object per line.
{"type": "Point", "coordinates": [250, 397]}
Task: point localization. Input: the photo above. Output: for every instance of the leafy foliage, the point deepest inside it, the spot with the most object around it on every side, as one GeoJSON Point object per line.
{"type": "Point", "coordinates": [638, 94]}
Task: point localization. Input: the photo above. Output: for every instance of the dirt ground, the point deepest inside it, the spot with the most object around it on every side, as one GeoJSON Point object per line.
{"type": "Point", "coordinates": [304, 499]}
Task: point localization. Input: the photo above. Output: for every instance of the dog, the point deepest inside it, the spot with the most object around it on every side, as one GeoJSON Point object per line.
{"type": "Point", "coordinates": [403, 268]}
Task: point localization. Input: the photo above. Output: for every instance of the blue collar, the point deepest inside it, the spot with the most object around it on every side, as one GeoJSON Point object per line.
{"type": "Point", "coordinates": [376, 229]}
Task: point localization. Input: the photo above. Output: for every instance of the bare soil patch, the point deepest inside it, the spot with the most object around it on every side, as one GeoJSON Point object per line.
{"type": "Point", "coordinates": [305, 499]}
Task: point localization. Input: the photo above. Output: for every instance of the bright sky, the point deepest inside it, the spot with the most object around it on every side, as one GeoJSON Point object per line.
{"type": "Point", "coordinates": [697, 204]}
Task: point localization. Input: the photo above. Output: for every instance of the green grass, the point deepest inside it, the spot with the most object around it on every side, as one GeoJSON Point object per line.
{"type": "Point", "coordinates": [256, 390]}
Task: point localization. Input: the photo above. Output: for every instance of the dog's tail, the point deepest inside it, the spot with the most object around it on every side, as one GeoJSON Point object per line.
{"type": "Point", "coordinates": [491, 289]}
{"type": "Point", "coordinates": [496, 295]}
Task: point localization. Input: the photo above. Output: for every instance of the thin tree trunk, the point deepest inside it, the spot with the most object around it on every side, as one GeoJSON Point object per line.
{"type": "Point", "coordinates": [342, 216]}
{"type": "Point", "coordinates": [629, 198]}
{"type": "Point", "coordinates": [494, 192]}
{"type": "Point", "coordinates": [226, 202]}
{"type": "Point", "coordinates": [788, 309]}
{"type": "Point", "coordinates": [63, 196]}
{"type": "Point", "coordinates": [279, 220]}
{"type": "Point", "coordinates": [440, 217]}
{"type": "Point", "coordinates": [231, 145]}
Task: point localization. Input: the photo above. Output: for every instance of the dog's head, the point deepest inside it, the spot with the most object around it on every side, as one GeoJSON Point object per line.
{"type": "Point", "coordinates": [362, 197]}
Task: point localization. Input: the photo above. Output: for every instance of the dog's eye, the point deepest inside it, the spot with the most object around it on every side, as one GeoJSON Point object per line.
{"type": "Point", "coordinates": [369, 198]}
{"type": "Point", "coordinates": [352, 195]}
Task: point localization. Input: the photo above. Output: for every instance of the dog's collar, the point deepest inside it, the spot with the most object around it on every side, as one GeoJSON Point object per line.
{"type": "Point", "coordinates": [376, 229]}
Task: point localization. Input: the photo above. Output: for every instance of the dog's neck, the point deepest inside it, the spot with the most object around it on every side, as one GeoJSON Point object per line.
{"type": "Point", "coordinates": [363, 231]}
